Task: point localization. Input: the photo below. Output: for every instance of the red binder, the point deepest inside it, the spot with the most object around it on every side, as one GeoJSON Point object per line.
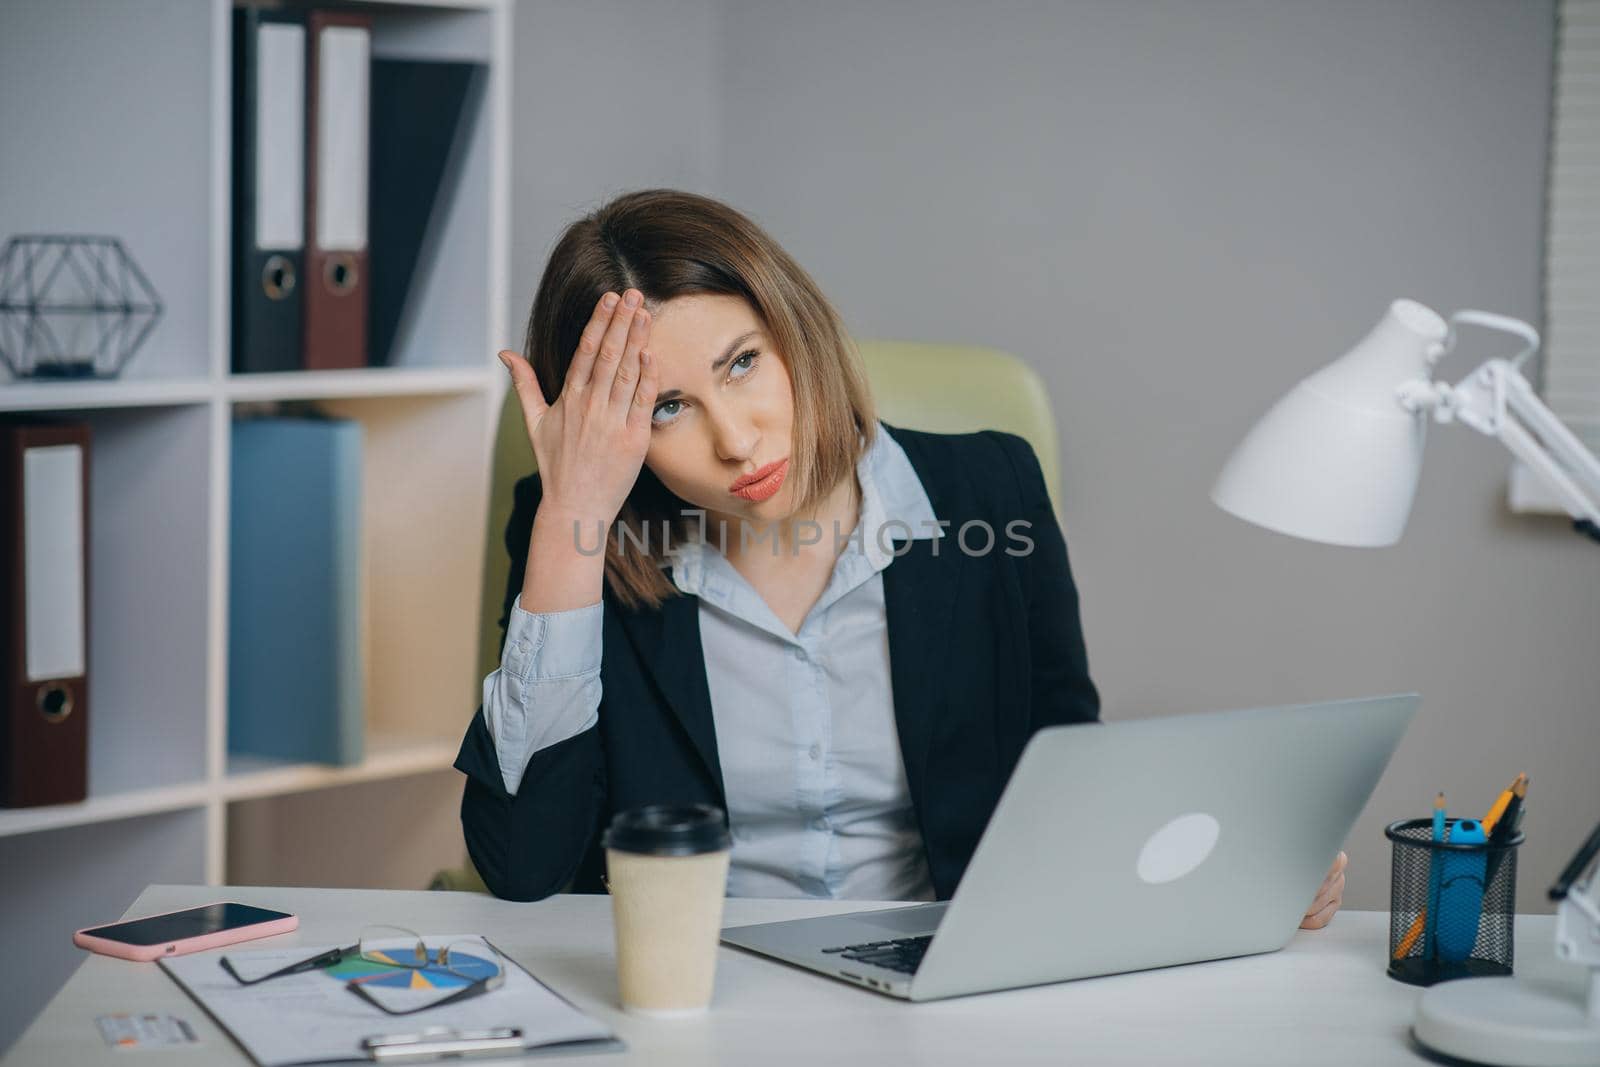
{"type": "Point", "coordinates": [44, 636]}
{"type": "Point", "coordinates": [338, 90]}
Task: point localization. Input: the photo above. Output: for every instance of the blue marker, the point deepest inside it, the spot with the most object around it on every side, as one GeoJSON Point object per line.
{"type": "Point", "coordinates": [1460, 894]}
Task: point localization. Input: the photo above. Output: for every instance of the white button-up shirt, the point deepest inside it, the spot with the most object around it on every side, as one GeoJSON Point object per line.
{"type": "Point", "coordinates": [818, 802]}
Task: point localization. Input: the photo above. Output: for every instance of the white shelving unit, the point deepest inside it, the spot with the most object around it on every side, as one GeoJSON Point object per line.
{"type": "Point", "coordinates": [125, 109]}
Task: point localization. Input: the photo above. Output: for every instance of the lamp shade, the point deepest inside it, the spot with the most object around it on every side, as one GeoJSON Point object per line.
{"type": "Point", "coordinates": [1337, 459]}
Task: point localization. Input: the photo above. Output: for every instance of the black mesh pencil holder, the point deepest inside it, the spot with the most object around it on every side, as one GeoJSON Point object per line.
{"type": "Point", "coordinates": [1451, 904]}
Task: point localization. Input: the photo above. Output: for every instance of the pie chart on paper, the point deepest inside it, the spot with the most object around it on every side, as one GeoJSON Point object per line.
{"type": "Point", "coordinates": [464, 970]}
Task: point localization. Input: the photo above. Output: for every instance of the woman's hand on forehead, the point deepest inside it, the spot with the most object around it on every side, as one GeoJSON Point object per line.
{"type": "Point", "coordinates": [590, 444]}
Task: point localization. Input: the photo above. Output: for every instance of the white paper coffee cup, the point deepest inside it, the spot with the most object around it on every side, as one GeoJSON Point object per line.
{"type": "Point", "coordinates": [667, 870]}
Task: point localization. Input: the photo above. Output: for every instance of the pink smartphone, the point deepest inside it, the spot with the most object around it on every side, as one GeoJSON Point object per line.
{"type": "Point", "coordinates": [190, 930]}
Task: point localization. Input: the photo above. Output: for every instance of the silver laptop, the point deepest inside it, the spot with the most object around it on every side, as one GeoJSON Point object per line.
{"type": "Point", "coordinates": [1125, 846]}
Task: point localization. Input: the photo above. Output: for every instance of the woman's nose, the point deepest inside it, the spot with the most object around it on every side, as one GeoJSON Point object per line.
{"type": "Point", "coordinates": [735, 439]}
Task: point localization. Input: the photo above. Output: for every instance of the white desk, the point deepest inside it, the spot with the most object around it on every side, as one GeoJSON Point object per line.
{"type": "Point", "coordinates": [1324, 999]}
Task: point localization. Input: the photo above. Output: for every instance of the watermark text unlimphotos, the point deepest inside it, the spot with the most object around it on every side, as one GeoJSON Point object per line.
{"type": "Point", "coordinates": [974, 537]}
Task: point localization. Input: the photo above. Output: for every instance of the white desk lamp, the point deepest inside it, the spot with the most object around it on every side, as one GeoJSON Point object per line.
{"type": "Point", "coordinates": [1336, 460]}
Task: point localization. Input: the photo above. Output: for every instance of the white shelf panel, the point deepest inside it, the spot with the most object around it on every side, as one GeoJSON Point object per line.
{"type": "Point", "coordinates": [388, 756]}
{"type": "Point", "coordinates": [162, 466]}
{"type": "Point", "coordinates": [106, 808]}
{"type": "Point", "coordinates": [85, 396]}
{"type": "Point", "coordinates": [248, 778]}
{"type": "Point", "coordinates": [368, 382]}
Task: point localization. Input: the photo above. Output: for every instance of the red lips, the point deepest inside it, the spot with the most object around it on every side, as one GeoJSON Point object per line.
{"type": "Point", "coordinates": [762, 483]}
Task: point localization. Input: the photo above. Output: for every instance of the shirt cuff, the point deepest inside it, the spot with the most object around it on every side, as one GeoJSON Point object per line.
{"type": "Point", "coordinates": [552, 644]}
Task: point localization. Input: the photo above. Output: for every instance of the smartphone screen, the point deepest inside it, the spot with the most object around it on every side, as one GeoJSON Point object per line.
{"type": "Point", "coordinates": [195, 922]}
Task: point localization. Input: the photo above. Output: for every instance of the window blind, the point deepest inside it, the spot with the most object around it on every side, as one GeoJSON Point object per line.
{"type": "Point", "coordinates": [1570, 383]}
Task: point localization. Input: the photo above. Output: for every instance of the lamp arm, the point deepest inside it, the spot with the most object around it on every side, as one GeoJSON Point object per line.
{"type": "Point", "coordinates": [1496, 400]}
{"type": "Point", "coordinates": [1492, 321]}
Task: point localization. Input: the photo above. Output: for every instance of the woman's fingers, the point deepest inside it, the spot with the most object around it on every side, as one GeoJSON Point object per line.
{"type": "Point", "coordinates": [1329, 902]}
{"type": "Point", "coordinates": [526, 384]}
{"type": "Point", "coordinates": [1329, 896]}
{"type": "Point", "coordinates": [1335, 874]}
{"type": "Point", "coordinates": [1321, 917]}
{"type": "Point", "coordinates": [628, 373]}
{"type": "Point", "coordinates": [582, 365]}
{"type": "Point", "coordinates": [1332, 889]}
{"type": "Point", "coordinates": [612, 346]}
{"type": "Point", "coordinates": [644, 397]}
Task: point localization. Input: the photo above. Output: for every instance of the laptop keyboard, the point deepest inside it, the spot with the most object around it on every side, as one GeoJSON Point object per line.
{"type": "Point", "coordinates": [903, 954]}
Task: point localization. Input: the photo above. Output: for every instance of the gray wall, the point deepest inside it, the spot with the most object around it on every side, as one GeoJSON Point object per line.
{"type": "Point", "coordinates": [1174, 211]}
{"type": "Point", "coordinates": [607, 96]}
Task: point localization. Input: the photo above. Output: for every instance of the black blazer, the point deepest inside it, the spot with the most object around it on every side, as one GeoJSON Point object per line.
{"type": "Point", "coordinates": [984, 649]}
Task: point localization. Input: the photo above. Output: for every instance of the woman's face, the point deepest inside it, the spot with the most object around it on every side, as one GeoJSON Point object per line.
{"type": "Point", "coordinates": [724, 409]}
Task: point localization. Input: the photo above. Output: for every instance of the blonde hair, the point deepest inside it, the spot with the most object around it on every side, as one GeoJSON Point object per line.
{"type": "Point", "coordinates": [667, 244]}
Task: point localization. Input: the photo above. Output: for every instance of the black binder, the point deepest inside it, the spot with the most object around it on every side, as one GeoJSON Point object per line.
{"type": "Point", "coordinates": [422, 118]}
{"type": "Point", "coordinates": [269, 149]}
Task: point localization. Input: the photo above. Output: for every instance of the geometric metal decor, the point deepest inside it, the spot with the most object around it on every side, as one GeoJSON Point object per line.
{"type": "Point", "coordinates": [72, 306]}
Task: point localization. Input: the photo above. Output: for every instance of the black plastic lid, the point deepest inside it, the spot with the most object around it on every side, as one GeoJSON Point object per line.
{"type": "Point", "coordinates": [669, 830]}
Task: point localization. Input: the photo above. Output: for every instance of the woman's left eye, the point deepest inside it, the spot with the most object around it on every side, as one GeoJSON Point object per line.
{"type": "Point", "coordinates": [744, 364]}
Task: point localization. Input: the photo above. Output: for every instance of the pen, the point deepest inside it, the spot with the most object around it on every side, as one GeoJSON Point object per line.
{"type": "Point", "coordinates": [1505, 828]}
{"type": "Point", "coordinates": [435, 1042]}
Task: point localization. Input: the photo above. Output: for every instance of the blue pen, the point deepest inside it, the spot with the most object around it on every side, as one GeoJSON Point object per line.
{"type": "Point", "coordinates": [1460, 894]}
{"type": "Point", "coordinates": [1435, 874]}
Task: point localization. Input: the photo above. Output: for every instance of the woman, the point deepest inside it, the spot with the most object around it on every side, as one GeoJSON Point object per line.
{"type": "Point", "coordinates": [732, 585]}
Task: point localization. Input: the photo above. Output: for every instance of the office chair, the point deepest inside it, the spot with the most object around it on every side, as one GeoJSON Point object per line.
{"type": "Point", "coordinates": [917, 385]}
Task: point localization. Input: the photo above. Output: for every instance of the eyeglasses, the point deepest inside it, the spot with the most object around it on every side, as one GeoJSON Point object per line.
{"type": "Point", "coordinates": [397, 972]}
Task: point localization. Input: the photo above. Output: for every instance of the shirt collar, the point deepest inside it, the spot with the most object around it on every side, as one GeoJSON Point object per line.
{"type": "Point", "coordinates": [894, 507]}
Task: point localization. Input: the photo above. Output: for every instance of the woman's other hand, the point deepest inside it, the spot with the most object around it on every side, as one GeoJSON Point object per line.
{"type": "Point", "coordinates": [591, 443]}
{"type": "Point", "coordinates": [1329, 897]}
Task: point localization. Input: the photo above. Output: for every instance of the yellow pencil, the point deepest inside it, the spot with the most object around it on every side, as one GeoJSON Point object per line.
{"type": "Point", "coordinates": [1412, 934]}
{"type": "Point", "coordinates": [1500, 805]}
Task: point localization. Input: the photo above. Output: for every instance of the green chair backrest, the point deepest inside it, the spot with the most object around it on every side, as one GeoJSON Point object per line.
{"type": "Point", "coordinates": [941, 388]}
{"type": "Point", "coordinates": [961, 388]}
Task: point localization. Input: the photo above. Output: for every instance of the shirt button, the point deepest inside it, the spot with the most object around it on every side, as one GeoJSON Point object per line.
{"type": "Point", "coordinates": [819, 823]}
{"type": "Point", "coordinates": [800, 654]}
{"type": "Point", "coordinates": [816, 752]}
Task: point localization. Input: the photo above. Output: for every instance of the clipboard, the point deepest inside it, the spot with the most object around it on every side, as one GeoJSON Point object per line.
{"type": "Point", "coordinates": [309, 1018]}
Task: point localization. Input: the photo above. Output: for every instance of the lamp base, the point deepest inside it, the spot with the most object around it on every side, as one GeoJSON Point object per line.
{"type": "Point", "coordinates": [1509, 1022]}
